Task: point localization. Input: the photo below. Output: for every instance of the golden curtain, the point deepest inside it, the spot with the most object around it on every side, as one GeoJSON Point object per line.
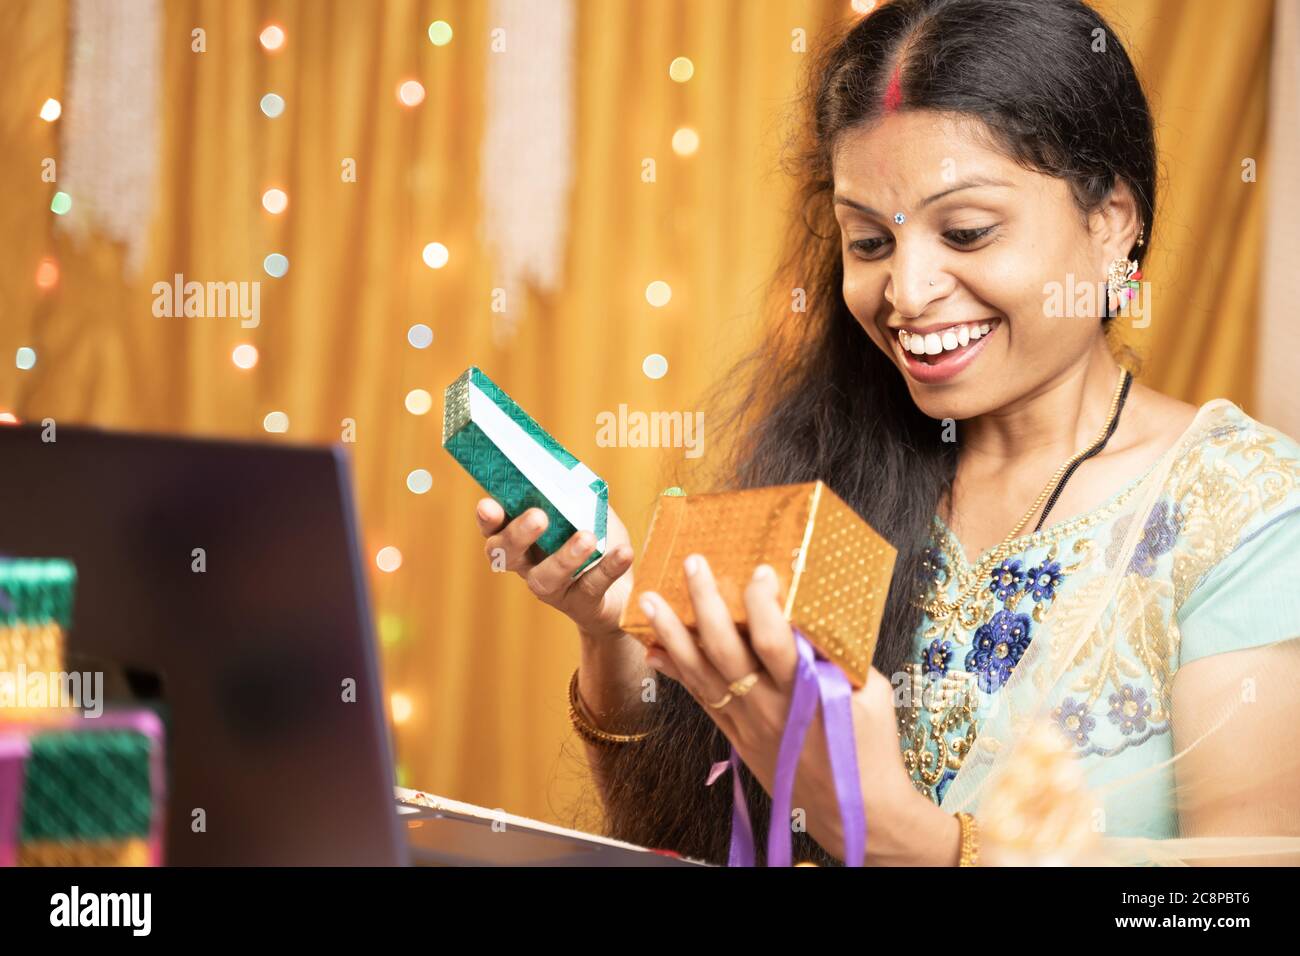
{"type": "Point", "coordinates": [483, 665]}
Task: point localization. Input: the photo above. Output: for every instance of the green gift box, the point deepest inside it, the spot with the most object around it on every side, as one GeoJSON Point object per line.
{"type": "Point", "coordinates": [519, 464]}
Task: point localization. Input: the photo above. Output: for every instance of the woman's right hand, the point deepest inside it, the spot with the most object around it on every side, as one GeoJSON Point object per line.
{"type": "Point", "coordinates": [594, 601]}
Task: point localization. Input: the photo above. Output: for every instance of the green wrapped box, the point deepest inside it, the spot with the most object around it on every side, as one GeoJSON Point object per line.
{"type": "Point", "coordinates": [519, 464]}
{"type": "Point", "coordinates": [35, 612]}
{"type": "Point", "coordinates": [36, 591]}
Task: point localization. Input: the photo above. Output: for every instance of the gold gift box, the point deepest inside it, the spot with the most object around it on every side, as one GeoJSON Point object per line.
{"type": "Point", "coordinates": [28, 649]}
{"type": "Point", "coordinates": [833, 569]}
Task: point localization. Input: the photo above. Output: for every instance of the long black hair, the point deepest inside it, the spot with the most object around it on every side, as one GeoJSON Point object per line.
{"type": "Point", "coordinates": [1055, 90]}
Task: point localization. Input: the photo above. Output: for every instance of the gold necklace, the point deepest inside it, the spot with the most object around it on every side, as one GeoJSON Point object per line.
{"type": "Point", "coordinates": [939, 608]}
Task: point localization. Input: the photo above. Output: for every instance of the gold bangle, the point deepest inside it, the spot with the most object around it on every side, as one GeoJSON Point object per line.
{"type": "Point", "coordinates": [580, 717]}
{"type": "Point", "coordinates": [970, 840]}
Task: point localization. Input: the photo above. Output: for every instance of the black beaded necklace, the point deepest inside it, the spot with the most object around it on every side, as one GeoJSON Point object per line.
{"type": "Point", "coordinates": [1101, 443]}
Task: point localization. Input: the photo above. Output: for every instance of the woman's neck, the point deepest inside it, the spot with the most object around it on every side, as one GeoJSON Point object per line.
{"type": "Point", "coordinates": [1052, 423]}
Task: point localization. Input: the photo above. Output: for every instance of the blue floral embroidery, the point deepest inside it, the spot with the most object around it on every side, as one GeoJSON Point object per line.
{"type": "Point", "coordinates": [1129, 709]}
{"type": "Point", "coordinates": [937, 657]}
{"type": "Point", "coordinates": [1073, 718]}
{"type": "Point", "coordinates": [941, 787]}
{"type": "Point", "coordinates": [1158, 538]}
{"type": "Point", "coordinates": [1007, 579]}
{"type": "Point", "coordinates": [999, 645]}
{"type": "Point", "coordinates": [1043, 580]}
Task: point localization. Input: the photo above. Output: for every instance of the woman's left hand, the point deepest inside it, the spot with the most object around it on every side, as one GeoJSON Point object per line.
{"type": "Point", "coordinates": [903, 825]}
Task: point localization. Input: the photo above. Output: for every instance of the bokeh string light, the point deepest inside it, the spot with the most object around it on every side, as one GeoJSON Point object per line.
{"type": "Point", "coordinates": [391, 629]}
{"type": "Point", "coordinates": [51, 110]}
{"type": "Point", "coordinates": [658, 293]}
{"type": "Point", "coordinates": [389, 559]}
{"type": "Point", "coordinates": [435, 255]}
{"type": "Point", "coordinates": [272, 105]}
{"type": "Point", "coordinates": [439, 32]}
{"type": "Point", "coordinates": [418, 401]}
{"type": "Point", "coordinates": [686, 141]}
{"type": "Point", "coordinates": [419, 481]}
{"type": "Point", "coordinates": [655, 366]}
{"type": "Point", "coordinates": [420, 336]}
{"type": "Point", "coordinates": [400, 705]}
{"type": "Point", "coordinates": [275, 201]}
{"type": "Point", "coordinates": [276, 265]}
{"type": "Point", "coordinates": [410, 93]}
{"type": "Point", "coordinates": [47, 273]}
{"type": "Point", "coordinates": [272, 38]}
{"type": "Point", "coordinates": [276, 422]}
{"type": "Point", "coordinates": [245, 356]}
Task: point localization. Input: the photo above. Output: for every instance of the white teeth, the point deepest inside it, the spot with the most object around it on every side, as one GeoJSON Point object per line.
{"type": "Point", "coordinates": [934, 343]}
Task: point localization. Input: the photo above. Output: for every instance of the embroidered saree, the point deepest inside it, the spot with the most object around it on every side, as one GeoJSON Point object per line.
{"type": "Point", "coordinates": [1058, 702]}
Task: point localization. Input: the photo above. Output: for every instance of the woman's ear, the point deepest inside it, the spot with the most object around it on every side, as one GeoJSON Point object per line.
{"type": "Point", "coordinates": [1116, 225]}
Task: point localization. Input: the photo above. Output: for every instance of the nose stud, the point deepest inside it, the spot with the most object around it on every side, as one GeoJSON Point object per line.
{"type": "Point", "coordinates": [899, 218]}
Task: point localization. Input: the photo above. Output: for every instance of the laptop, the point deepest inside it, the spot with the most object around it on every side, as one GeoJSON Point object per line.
{"type": "Point", "coordinates": [222, 583]}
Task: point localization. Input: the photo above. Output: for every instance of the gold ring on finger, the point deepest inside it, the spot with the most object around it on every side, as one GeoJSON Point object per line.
{"type": "Point", "coordinates": [739, 688]}
{"type": "Point", "coordinates": [722, 703]}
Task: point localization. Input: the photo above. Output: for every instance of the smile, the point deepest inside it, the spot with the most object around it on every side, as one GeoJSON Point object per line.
{"type": "Point", "coordinates": [937, 355]}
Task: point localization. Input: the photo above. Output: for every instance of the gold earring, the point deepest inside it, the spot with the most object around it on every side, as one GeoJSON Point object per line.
{"type": "Point", "coordinates": [1122, 279]}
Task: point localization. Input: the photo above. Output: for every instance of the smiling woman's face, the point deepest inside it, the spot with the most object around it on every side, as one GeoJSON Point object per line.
{"type": "Point", "coordinates": [981, 238]}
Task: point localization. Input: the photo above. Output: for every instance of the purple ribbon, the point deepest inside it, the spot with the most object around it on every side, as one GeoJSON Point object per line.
{"type": "Point", "coordinates": [815, 679]}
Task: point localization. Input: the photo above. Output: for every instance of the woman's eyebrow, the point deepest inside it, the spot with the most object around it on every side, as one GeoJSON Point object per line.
{"type": "Point", "coordinates": [964, 184]}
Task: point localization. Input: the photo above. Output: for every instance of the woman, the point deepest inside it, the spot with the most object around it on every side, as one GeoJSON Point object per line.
{"type": "Point", "coordinates": [968, 159]}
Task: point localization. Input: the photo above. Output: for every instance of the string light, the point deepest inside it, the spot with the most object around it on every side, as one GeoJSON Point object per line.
{"type": "Point", "coordinates": [420, 336]}
{"type": "Point", "coordinates": [47, 273]}
{"type": "Point", "coordinates": [275, 201]}
{"type": "Point", "coordinates": [390, 629]}
{"type": "Point", "coordinates": [272, 38]}
{"type": "Point", "coordinates": [25, 358]}
{"type": "Point", "coordinates": [61, 203]}
{"type": "Point", "coordinates": [418, 401]}
{"type": "Point", "coordinates": [401, 707]}
{"type": "Point", "coordinates": [410, 93]}
{"type": "Point", "coordinates": [276, 265]}
{"type": "Point", "coordinates": [9, 418]}
{"type": "Point", "coordinates": [862, 6]}
{"type": "Point", "coordinates": [658, 293]}
{"type": "Point", "coordinates": [439, 32]}
{"type": "Point", "coordinates": [419, 481]}
{"type": "Point", "coordinates": [245, 356]}
{"type": "Point", "coordinates": [276, 422]}
{"type": "Point", "coordinates": [272, 105]}
{"type": "Point", "coordinates": [51, 110]}
{"type": "Point", "coordinates": [686, 141]}
{"type": "Point", "coordinates": [389, 559]}
{"type": "Point", "coordinates": [435, 255]}
{"type": "Point", "coordinates": [681, 69]}
{"type": "Point", "coordinates": [655, 366]}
